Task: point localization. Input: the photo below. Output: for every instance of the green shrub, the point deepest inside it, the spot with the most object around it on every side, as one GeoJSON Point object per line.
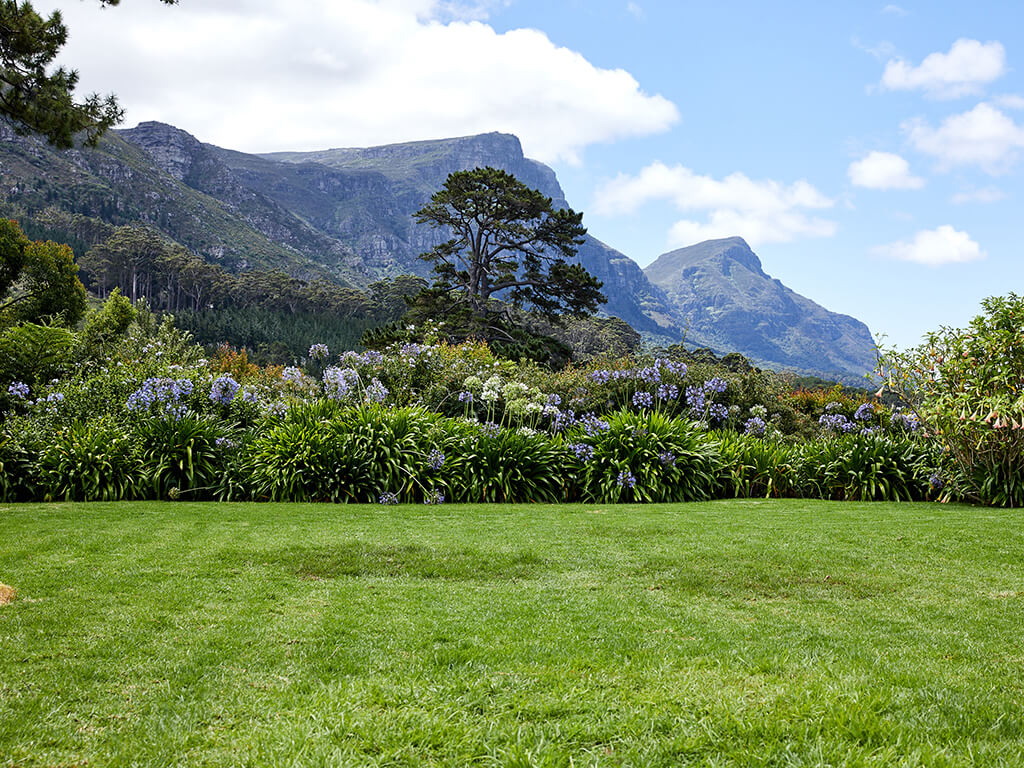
{"type": "Point", "coordinates": [312, 454]}
{"type": "Point", "coordinates": [90, 462]}
{"type": "Point", "coordinates": [488, 464]}
{"type": "Point", "coordinates": [867, 468]}
{"type": "Point", "coordinates": [965, 385]}
{"type": "Point", "coordinates": [20, 443]}
{"type": "Point", "coordinates": [647, 457]}
{"type": "Point", "coordinates": [181, 455]}
{"type": "Point", "coordinates": [756, 467]}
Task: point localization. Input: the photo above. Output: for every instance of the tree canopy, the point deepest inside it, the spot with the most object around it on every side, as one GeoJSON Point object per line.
{"type": "Point", "coordinates": [509, 250]}
{"type": "Point", "coordinates": [38, 101]}
{"type": "Point", "coordinates": [37, 280]}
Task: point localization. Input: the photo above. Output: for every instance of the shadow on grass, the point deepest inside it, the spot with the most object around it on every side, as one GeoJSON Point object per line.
{"type": "Point", "coordinates": [357, 559]}
{"type": "Point", "coordinates": [756, 580]}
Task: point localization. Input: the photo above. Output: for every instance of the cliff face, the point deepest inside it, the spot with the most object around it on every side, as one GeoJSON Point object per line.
{"type": "Point", "coordinates": [731, 304]}
{"type": "Point", "coordinates": [347, 214]}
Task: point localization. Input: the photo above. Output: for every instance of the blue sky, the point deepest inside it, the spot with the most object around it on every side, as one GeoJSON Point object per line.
{"type": "Point", "coordinates": [869, 152]}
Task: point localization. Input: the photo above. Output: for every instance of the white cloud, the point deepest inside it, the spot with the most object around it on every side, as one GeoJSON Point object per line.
{"type": "Point", "coordinates": [967, 67]}
{"type": "Point", "coordinates": [759, 211]}
{"type": "Point", "coordinates": [1010, 101]}
{"type": "Point", "coordinates": [934, 247]}
{"type": "Point", "coordinates": [636, 10]}
{"type": "Point", "coordinates": [984, 136]}
{"type": "Point", "coordinates": [984, 195]}
{"type": "Point", "coordinates": [883, 170]}
{"type": "Point", "coordinates": [895, 10]}
{"type": "Point", "coordinates": [258, 76]}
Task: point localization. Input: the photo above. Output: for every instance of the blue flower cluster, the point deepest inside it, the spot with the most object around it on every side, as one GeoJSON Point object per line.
{"type": "Point", "coordinates": [436, 459]}
{"type": "Point", "coordinates": [668, 392]}
{"type": "Point", "coordinates": [167, 395]}
{"type": "Point", "coordinates": [717, 413]}
{"type": "Point", "coordinates": [836, 422]}
{"type": "Point", "coordinates": [908, 421]}
{"type": "Point", "coordinates": [223, 390]}
{"type": "Point", "coordinates": [18, 389]}
{"type": "Point", "coordinates": [667, 458]}
{"type": "Point", "coordinates": [339, 382]}
{"type": "Point", "coordinates": [371, 358]}
{"type": "Point", "coordinates": [626, 479]}
{"type": "Point", "coordinates": [465, 397]}
{"type": "Point", "coordinates": [648, 375]}
{"type": "Point", "coordinates": [643, 399]}
{"type": "Point", "coordinates": [434, 497]}
{"type": "Point", "coordinates": [864, 413]}
{"type": "Point", "coordinates": [695, 399]}
{"type": "Point", "coordinates": [582, 451]}
{"type": "Point", "coordinates": [388, 498]}
{"type": "Point", "coordinates": [755, 426]}
{"type": "Point", "coordinates": [376, 392]}
{"type": "Point", "coordinates": [291, 374]}
{"type": "Point", "coordinates": [319, 352]}
{"type": "Point", "coordinates": [715, 385]}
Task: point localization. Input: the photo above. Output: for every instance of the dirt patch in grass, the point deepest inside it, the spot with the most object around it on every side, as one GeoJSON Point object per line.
{"type": "Point", "coordinates": [7, 594]}
{"type": "Point", "coordinates": [359, 559]}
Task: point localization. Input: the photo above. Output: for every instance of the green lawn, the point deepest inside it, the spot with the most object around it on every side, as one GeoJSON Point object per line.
{"type": "Point", "coordinates": [775, 633]}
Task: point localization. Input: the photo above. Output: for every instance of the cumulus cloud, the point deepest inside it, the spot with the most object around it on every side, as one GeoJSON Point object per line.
{"type": "Point", "coordinates": [883, 170]}
{"type": "Point", "coordinates": [984, 136]}
{"type": "Point", "coordinates": [636, 10]}
{"type": "Point", "coordinates": [255, 75]}
{"type": "Point", "coordinates": [967, 67]}
{"type": "Point", "coordinates": [934, 247]}
{"type": "Point", "coordinates": [763, 211]}
{"type": "Point", "coordinates": [895, 10]}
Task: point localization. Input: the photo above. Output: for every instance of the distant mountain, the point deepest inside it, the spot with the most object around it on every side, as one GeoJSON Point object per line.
{"type": "Point", "coordinates": [347, 214]}
{"type": "Point", "coordinates": [730, 304]}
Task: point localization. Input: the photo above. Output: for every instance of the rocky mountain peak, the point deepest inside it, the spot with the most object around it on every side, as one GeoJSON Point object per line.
{"type": "Point", "coordinates": [172, 149]}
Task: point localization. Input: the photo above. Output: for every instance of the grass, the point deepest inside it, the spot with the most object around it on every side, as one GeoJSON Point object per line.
{"type": "Point", "coordinates": [781, 633]}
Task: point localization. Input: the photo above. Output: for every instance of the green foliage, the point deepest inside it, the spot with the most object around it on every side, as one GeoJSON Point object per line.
{"type": "Point", "coordinates": [649, 457]}
{"type": "Point", "coordinates": [505, 465]}
{"type": "Point", "coordinates": [271, 336]}
{"type": "Point", "coordinates": [311, 455]}
{"type": "Point", "coordinates": [755, 467]}
{"type": "Point", "coordinates": [90, 462]}
{"type": "Point", "coordinates": [868, 468]}
{"type": "Point", "coordinates": [47, 288]}
{"type": "Point", "coordinates": [20, 445]}
{"type": "Point", "coordinates": [180, 455]}
{"type": "Point", "coordinates": [34, 353]}
{"type": "Point", "coordinates": [13, 244]}
{"type": "Point", "coordinates": [967, 387]}
{"type": "Point", "coordinates": [107, 325]}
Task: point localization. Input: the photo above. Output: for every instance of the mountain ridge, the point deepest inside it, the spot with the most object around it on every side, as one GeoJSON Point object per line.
{"type": "Point", "coordinates": [756, 313]}
{"type": "Point", "coordinates": [346, 213]}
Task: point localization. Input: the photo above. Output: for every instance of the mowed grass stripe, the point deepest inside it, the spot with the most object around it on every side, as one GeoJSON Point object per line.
{"type": "Point", "coordinates": [729, 633]}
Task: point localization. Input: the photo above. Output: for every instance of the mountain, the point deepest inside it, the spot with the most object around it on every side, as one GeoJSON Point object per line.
{"type": "Point", "coordinates": [730, 303]}
{"type": "Point", "coordinates": [347, 214]}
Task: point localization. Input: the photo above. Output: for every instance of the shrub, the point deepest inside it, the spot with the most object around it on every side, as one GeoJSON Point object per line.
{"type": "Point", "coordinates": [647, 457]}
{"type": "Point", "coordinates": [490, 464]}
{"type": "Point", "coordinates": [868, 468]}
{"type": "Point", "coordinates": [965, 387]}
{"type": "Point", "coordinates": [182, 454]}
{"type": "Point", "coordinates": [756, 467]}
{"type": "Point", "coordinates": [90, 462]}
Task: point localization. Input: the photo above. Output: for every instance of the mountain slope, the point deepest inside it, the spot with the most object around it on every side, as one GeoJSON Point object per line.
{"type": "Point", "coordinates": [120, 183]}
{"type": "Point", "coordinates": [732, 305]}
{"type": "Point", "coordinates": [348, 214]}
